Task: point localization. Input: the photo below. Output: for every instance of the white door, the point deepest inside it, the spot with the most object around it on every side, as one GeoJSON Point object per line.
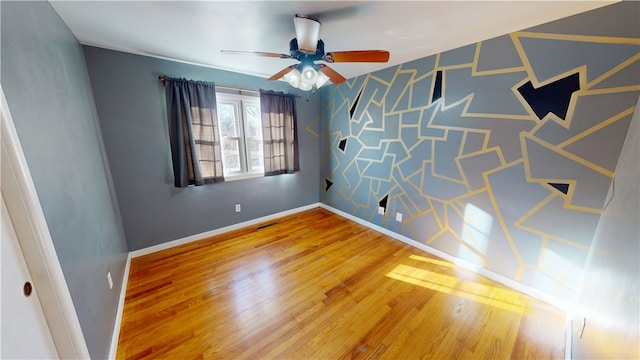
{"type": "Point", "coordinates": [24, 331]}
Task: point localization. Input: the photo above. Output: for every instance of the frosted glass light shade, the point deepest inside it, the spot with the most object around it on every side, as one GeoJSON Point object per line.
{"type": "Point", "coordinates": [309, 75]}
{"type": "Point", "coordinates": [293, 77]}
{"type": "Point", "coordinates": [322, 79]}
{"type": "Point", "coordinates": [305, 86]}
{"type": "Point", "coordinates": [306, 79]}
{"type": "Point", "coordinates": [307, 33]}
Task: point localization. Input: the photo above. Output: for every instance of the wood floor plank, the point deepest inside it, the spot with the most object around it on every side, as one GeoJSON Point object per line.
{"type": "Point", "coordinates": [314, 285]}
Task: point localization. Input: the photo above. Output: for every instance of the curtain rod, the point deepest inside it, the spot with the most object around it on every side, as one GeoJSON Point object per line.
{"type": "Point", "coordinates": [238, 89]}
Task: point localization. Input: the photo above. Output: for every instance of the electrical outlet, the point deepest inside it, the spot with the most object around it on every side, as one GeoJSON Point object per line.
{"type": "Point", "coordinates": [398, 217]}
{"type": "Point", "coordinates": [238, 208]}
{"type": "Point", "coordinates": [380, 210]}
{"type": "Point", "coordinates": [110, 280]}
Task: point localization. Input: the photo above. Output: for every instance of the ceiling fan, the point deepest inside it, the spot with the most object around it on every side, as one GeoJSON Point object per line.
{"type": "Point", "coordinates": [308, 48]}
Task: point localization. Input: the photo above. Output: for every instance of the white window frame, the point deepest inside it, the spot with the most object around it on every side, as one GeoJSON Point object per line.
{"type": "Point", "coordinates": [240, 102]}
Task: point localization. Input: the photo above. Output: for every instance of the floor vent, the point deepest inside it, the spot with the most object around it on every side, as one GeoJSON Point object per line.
{"type": "Point", "coordinates": [265, 225]}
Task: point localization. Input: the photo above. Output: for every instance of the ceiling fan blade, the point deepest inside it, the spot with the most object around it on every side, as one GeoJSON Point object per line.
{"type": "Point", "coordinates": [257, 53]}
{"type": "Point", "coordinates": [282, 72]}
{"type": "Point", "coordinates": [357, 56]}
{"type": "Point", "coordinates": [332, 74]}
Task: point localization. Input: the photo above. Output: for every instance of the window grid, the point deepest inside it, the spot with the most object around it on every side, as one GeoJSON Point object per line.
{"type": "Point", "coordinates": [240, 126]}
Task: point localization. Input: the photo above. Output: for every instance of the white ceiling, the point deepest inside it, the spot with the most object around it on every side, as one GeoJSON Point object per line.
{"type": "Point", "coordinates": [196, 31]}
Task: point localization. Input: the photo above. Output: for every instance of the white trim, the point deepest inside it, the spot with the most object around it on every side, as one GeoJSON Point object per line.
{"type": "Point", "coordinates": [475, 268]}
{"type": "Point", "coordinates": [164, 246]}
{"type": "Point", "coordinates": [22, 201]}
{"type": "Point", "coordinates": [433, 251]}
{"type": "Point", "coordinates": [113, 349]}
{"type": "Point", "coordinates": [196, 237]}
{"type": "Point", "coordinates": [568, 338]}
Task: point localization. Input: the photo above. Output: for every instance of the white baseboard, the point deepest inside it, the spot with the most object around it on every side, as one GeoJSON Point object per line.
{"type": "Point", "coordinates": [149, 250]}
{"type": "Point", "coordinates": [196, 237]}
{"type": "Point", "coordinates": [475, 268]}
{"type": "Point", "coordinates": [118, 323]}
{"type": "Point", "coordinates": [433, 251]}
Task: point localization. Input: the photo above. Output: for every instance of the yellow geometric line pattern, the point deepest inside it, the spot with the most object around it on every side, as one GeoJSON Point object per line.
{"type": "Point", "coordinates": [387, 156]}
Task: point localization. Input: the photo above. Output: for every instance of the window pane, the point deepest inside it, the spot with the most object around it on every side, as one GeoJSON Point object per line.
{"type": "Point", "coordinates": [254, 123]}
{"type": "Point", "coordinates": [240, 128]}
{"type": "Point", "coordinates": [207, 164]}
{"type": "Point", "coordinates": [255, 153]}
{"type": "Point", "coordinates": [231, 155]}
{"type": "Point", "coordinates": [206, 168]}
{"type": "Point", "coordinates": [205, 151]}
{"type": "Point", "coordinates": [227, 119]}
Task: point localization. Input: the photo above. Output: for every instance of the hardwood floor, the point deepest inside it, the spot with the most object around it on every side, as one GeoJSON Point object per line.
{"type": "Point", "coordinates": [317, 286]}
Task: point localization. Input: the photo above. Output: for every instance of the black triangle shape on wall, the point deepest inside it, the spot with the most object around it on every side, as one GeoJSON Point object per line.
{"type": "Point", "coordinates": [355, 104]}
{"type": "Point", "coordinates": [383, 202]}
{"type": "Point", "coordinates": [551, 98]}
{"type": "Point", "coordinates": [342, 145]}
{"type": "Point", "coordinates": [563, 188]}
{"type": "Point", "coordinates": [328, 184]}
{"type": "Point", "coordinates": [437, 87]}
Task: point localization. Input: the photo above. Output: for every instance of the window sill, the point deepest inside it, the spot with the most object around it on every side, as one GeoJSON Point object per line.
{"type": "Point", "coordinates": [242, 176]}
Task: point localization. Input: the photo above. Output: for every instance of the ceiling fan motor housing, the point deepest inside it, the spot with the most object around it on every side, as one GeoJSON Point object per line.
{"type": "Point", "coordinates": [297, 54]}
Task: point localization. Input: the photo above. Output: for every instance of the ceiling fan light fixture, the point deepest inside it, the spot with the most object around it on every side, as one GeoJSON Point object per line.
{"type": "Point", "coordinates": [309, 75]}
{"type": "Point", "coordinates": [305, 77]}
{"type": "Point", "coordinates": [322, 79]}
{"type": "Point", "coordinates": [293, 77]}
{"type": "Point", "coordinates": [305, 86]}
{"type": "Point", "coordinates": [307, 48]}
{"type": "Point", "coordinates": [307, 33]}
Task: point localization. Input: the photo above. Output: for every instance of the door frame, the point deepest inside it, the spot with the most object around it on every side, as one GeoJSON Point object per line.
{"type": "Point", "coordinates": [21, 198]}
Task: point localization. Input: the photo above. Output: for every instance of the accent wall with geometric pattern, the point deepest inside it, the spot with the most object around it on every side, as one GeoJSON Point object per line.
{"type": "Point", "coordinates": [500, 153]}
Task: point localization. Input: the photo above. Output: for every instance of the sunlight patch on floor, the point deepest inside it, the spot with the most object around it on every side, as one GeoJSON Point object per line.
{"type": "Point", "coordinates": [432, 261]}
{"type": "Point", "coordinates": [489, 295]}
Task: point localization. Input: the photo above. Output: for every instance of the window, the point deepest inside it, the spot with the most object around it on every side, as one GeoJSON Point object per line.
{"type": "Point", "coordinates": [215, 136]}
{"type": "Point", "coordinates": [240, 124]}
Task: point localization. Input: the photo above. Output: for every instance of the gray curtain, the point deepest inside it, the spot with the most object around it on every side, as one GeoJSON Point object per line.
{"type": "Point", "coordinates": [279, 133]}
{"type": "Point", "coordinates": [193, 132]}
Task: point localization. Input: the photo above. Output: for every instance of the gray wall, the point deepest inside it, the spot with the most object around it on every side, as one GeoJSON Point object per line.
{"type": "Point", "coordinates": [131, 104]}
{"type": "Point", "coordinates": [610, 295]}
{"type": "Point", "coordinates": [478, 173]}
{"type": "Point", "coordinates": [45, 81]}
